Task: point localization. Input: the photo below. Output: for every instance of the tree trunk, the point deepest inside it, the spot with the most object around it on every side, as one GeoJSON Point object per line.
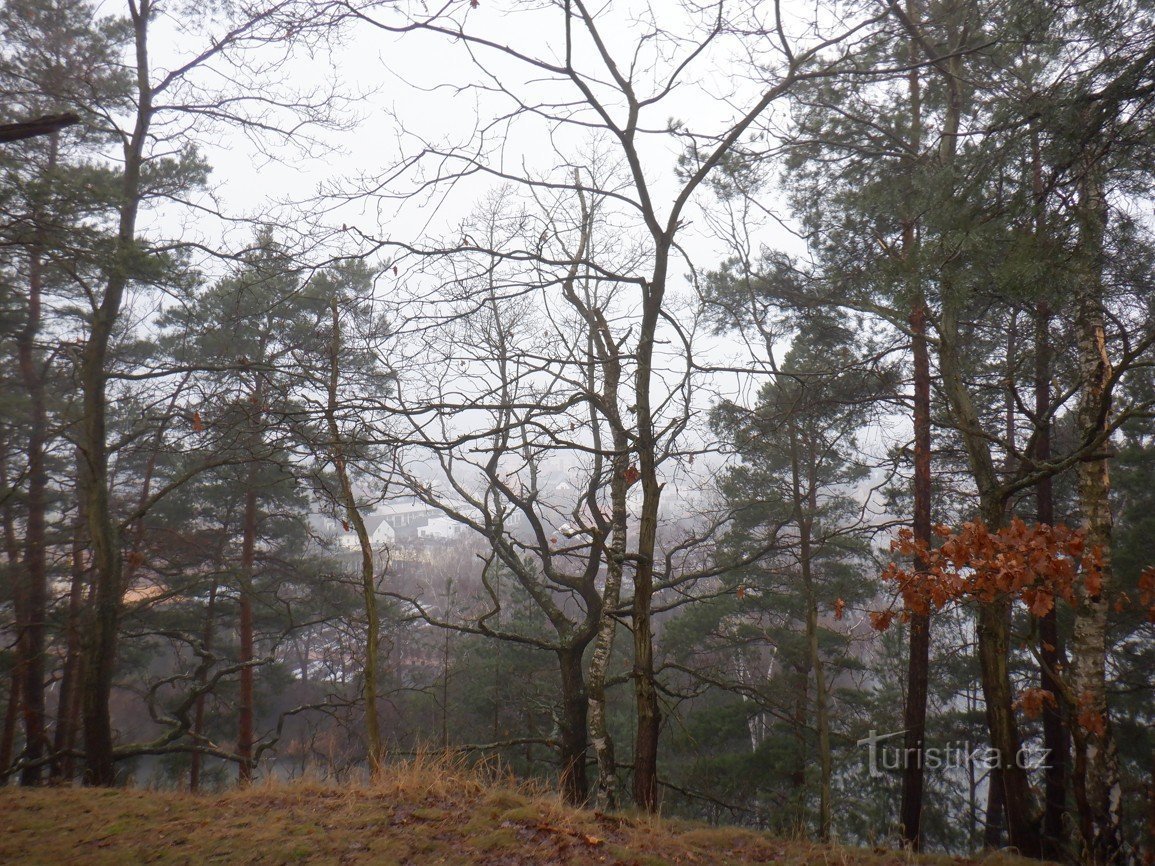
{"type": "Point", "coordinates": [806, 525]}
{"type": "Point", "coordinates": [11, 718]}
{"type": "Point", "coordinates": [368, 582]}
{"type": "Point", "coordinates": [649, 717]}
{"type": "Point", "coordinates": [607, 785]}
{"type": "Point", "coordinates": [1055, 740]}
{"type": "Point", "coordinates": [100, 633]}
{"type": "Point", "coordinates": [918, 664]}
{"type": "Point", "coordinates": [32, 614]}
{"type": "Point", "coordinates": [993, 617]}
{"type": "Point", "coordinates": [603, 352]}
{"type": "Point", "coordinates": [805, 506]}
{"type": "Point", "coordinates": [918, 660]}
{"type": "Point", "coordinates": [66, 716]}
{"type": "Point", "coordinates": [1092, 731]}
{"type": "Point", "coordinates": [197, 759]}
{"type": "Point", "coordinates": [645, 692]}
{"type": "Point", "coordinates": [245, 703]}
{"type": "Point", "coordinates": [996, 823]}
{"type": "Point", "coordinates": [573, 725]}
{"type": "Point", "coordinates": [994, 653]}
{"type": "Point", "coordinates": [12, 554]}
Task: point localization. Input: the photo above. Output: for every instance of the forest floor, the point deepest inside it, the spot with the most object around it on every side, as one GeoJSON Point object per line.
{"type": "Point", "coordinates": [414, 815]}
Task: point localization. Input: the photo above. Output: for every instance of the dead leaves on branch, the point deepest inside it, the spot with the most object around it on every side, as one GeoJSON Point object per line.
{"type": "Point", "coordinates": [1035, 564]}
{"type": "Point", "coordinates": [1147, 591]}
{"type": "Point", "coordinates": [1033, 701]}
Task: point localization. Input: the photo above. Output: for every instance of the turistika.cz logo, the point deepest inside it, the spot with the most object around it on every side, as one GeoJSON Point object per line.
{"type": "Point", "coordinates": [882, 758]}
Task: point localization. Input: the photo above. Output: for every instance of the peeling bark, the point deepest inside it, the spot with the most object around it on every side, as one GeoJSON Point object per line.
{"type": "Point", "coordinates": [1097, 764]}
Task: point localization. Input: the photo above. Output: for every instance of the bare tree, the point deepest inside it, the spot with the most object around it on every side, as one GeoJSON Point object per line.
{"type": "Point", "coordinates": [576, 79]}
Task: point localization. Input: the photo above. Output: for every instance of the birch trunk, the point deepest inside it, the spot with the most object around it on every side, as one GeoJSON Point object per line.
{"type": "Point", "coordinates": [1097, 771]}
{"type": "Point", "coordinates": [606, 797]}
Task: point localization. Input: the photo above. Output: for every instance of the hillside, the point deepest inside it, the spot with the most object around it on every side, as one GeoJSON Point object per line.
{"type": "Point", "coordinates": [426, 815]}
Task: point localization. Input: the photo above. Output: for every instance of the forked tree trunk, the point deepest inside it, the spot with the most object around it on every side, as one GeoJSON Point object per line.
{"type": "Point", "coordinates": [603, 354]}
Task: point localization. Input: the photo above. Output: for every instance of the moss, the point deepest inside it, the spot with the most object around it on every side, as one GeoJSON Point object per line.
{"type": "Point", "coordinates": [504, 800]}
{"type": "Point", "coordinates": [502, 839]}
{"type": "Point", "coordinates": [521, 815]}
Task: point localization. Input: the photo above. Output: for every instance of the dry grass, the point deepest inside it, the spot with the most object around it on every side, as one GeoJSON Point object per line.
{"type": "Point", "coordinates": [426, 811]}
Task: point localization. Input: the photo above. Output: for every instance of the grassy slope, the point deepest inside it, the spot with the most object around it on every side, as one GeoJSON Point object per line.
{"type": "Point", "coordinates": [427, 815]}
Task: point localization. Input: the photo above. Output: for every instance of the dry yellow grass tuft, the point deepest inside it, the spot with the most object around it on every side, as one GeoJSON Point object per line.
{"type": "Point", "coordinates": [430, 810]}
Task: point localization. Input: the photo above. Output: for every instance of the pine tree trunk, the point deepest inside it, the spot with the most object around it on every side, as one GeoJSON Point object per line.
{"type": "Point", "coordinates": [806, 530]}
{"type": "Point", "coordinates": [12, 554]}
{"type": "Point", "coordinates": [994, 617]}
{"type": "Point", "coordinates": [918, 665]}
{"type": "Point", "coordinates": [198, 726]}
{"type": "Point", "coordinates": [1055, 740]}
{"type": "Point", "coordinates": [66, 716]}
{"type": "Point", "coordinates": [918, 659]}
{"type": "Point", "coordinates": [32, 614]}
{"type": "Point", "coordinates": [996, 824]}
{"type": "Point", "coordinates": [245, 703]}
{"type": "Point", "coordinates": [100, 633]}
{"type": "Point", "coordinates": [11, 720]}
